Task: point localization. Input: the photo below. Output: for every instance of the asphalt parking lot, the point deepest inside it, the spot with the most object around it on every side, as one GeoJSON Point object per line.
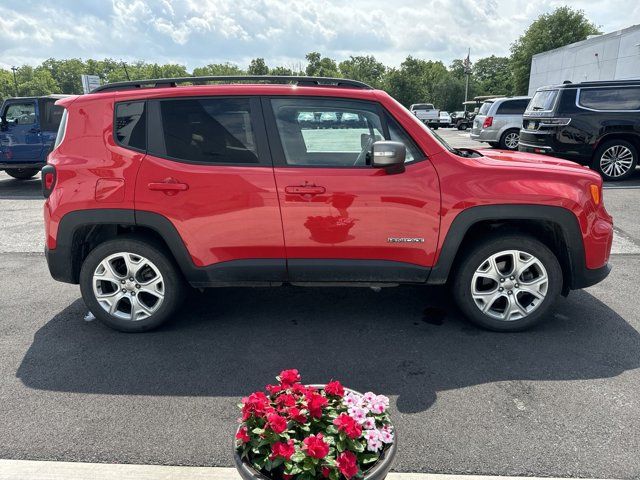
{"type": "Point", "coordinates": [560, 400]}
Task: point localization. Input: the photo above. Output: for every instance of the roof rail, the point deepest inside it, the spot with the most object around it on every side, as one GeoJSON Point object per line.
{"type": "Point", "coordinates": [172, 82]}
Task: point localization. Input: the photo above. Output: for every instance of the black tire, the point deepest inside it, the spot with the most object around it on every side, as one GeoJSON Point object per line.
{"type": "Point", "coordinates": [22, 173]}
{"type": "Point", "coordinates": [479, 255]}
{"type": "Point", "coordinates": [610, 146]}
{"type": "Point", "coordinates": [505, 140]}
{"type": "Point", "coordinates": [493, 144]}
{"type": "Point", "coordinates": [173, 284]}
{"type": "Point", "coordinates": [462, 126]}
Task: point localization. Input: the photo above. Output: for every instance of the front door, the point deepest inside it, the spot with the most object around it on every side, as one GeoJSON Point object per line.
{"type": "Point", "coordinates": [20, 136]}
{"type": "Point", "coordinates": [343, 219]}
{"type": "Point", "coordinates": [208, 171]}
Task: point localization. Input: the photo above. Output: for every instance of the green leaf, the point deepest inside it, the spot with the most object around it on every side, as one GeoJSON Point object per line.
{"type": "Point", "coordinates": [298, 456]}
{"type": "Point", "coordinates": [368, 458]}
{"type": "Point", "coordinates": [341, 446]}
{"type": "Point", "coordinates": [258, 431]}
{"type": "Point", "coordinates": [332, 429]}
{"type": "Point", "coordinates": [355, 445]}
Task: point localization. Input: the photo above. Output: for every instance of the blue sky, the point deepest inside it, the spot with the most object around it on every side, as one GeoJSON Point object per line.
{"type": "Point", "coordinates": [198, 32]}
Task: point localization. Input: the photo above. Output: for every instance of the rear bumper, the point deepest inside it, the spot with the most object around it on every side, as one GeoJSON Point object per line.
{"type": "Point", "coordinates": [60, 264]}
{"type": "Point", "coordinates": [13, 165]}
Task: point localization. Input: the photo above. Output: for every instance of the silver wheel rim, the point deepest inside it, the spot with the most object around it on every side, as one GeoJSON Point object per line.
{"type": "Point", "coordinates": [511, 140]}
{"type": "Point", "coordinates": [128, 286]}
{"type": "Point", "coordinates": [616, 161]}
{"type": "Point", "coordinates": [509, 285]}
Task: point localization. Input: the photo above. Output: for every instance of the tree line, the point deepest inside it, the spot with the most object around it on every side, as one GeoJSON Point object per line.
{"type": "Point", "coordinates": [414, 80]}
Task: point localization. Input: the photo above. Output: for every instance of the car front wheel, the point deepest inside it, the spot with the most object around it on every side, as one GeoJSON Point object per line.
{"type": "Point", "coordinates": [130, 285]}
{"type": "Point", "coordinates": [507, 283]}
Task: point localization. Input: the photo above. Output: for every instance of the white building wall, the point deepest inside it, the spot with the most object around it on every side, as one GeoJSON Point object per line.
{"type": "Point", "coordinates": [614, 56]}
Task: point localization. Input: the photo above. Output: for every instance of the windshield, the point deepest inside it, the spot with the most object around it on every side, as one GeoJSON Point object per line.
{"type": "Point", "coordinates": [543, 100]}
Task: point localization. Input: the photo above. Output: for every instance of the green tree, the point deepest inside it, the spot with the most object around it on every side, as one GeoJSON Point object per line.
{"type": "Point", "coordinates": [258, 67]}
{"type": "Point", "coordinates": [552, 30]}
{"type": "Point", "coordinates": [320, 66]}
{"type": "Point", "coordinates": [364, 68]}
{"type": "Point", "coordinates": [7, 88]}
{"type": "Point", "coordinates": [493, 75]}
{"type": "Point", "coordinates": [35, 81]}
{"type": "Point", "coordinates": [283, 71]}
{"type": "Point", "coordinates": [415, 81]}
{"type": "Point", "coordinates": [217, 69]}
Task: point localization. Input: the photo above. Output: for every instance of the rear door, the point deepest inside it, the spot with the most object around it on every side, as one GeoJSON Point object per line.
{"type": "Point", "coordinates": [20, 135]}
{"type": "Point", "coordinates": [208, 171]}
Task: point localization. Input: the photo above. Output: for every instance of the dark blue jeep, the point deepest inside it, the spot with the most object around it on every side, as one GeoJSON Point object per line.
{"type": "Point", "coordinates": [28, 128]}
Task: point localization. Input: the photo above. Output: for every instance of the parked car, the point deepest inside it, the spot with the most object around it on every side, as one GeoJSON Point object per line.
{"type": "Point", "coordinates": [498, 122]}
{"type": "Point", "coordinates": [462, 120]}
{"type": "Point", "coordinates": [445, 119]}
{"type": "Point", "coordinates": [592, 123]}
{"type": "Point", "coordinates": [28, 128]}
{"type": "Point", "coordinates": [427, 114]}
{"type": "Point", "coordinates": [153, 186]}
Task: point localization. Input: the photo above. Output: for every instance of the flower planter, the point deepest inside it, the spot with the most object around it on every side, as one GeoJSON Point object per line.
{"type": "Point", "coordinates": [377, 470]}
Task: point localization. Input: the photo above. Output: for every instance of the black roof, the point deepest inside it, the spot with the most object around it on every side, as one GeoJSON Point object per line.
{"type": "Point", "coordinates": [600, 83]}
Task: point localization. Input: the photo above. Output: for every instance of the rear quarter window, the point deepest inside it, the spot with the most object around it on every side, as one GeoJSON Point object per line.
{"type": "Point", "coordinates": [130, 126]}
{"type": "Point", "coordinates": [512, 107]}
{"type": "Point", "coordinates": [484, 109]}
{"type": "Point", "coordinates": [627, 98]}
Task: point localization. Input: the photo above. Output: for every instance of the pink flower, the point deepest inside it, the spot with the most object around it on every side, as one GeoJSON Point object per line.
{"type": "Point", "coordinates": [351, 399]}
{"type": "Point", "coordinates": [369, 397]}
{"type": "Point", "coordinates": [371, 435]}
{"type": "Point", "coordinates": [358, 414]}
{"type": "Point", "coordinates": [379, 404]}
{"type": "Point", "coordinates": [369, 423]}
{"type": "Point", "coordinates": [385, 436]}
{"type": "Point", "coordinates": [374, 445]}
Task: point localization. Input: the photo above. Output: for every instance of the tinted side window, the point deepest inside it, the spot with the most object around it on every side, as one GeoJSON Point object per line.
{"type": "Point", "coordinates": [50, 115]}
{"type": "Point", "coordinates": [485, 108]}
{"type": "Point", "coordinates": [610, 98]}
{"type": "Point", "coordinates": [512, 107]}
{"type": "Point", "coordinates": [21, 113]}
{"type": "Point", "coordinates": [131, 125]}
{"type": "Point", "coordinates": [397, 134]}
{"type": "Point", "coordinates": [208, 130]}
{"type": "Point", "coordinates": [326, 132]}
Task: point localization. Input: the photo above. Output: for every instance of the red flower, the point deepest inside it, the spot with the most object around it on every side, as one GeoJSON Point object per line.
{"type": "Point", "coordinates": [296, 415]}
{"type": "Point", "coordinates": [315, 446]}
{"type": "Point", "coordinates": [289, 377]}
{"type": "Point", "coordinates": [300, 389]}
{"type": "Point", "coordinates": [326, 471]}
{"type": "Point", "coordinates": [273, 389]}
{"type": "Point", "coordinates": [347, 464]}
{"type": "Point", "coordinates": [286, 400]}
{"type": "Point", "coordinates": [281, 449]}
{"type": "Point", "coordinates": [276, 423]}
{"type": "Point", "coordinates": [243, 434]}
{"type": "Point", "coordinates": [255, 404]}
{"type": "Point", "coordinates": [335, 389]}
{"type": "Point", "coordinates": [348, 425]}
{"type": "Point", "coordinates": [286, 476]}
{"type": "Point", "coordinates": [315, 403]}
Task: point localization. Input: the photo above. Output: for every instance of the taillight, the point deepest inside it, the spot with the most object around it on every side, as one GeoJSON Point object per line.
{"type": "Point", "coordinates": [48, 175]}
{"type": "Point", "coordinates": [487, 122]}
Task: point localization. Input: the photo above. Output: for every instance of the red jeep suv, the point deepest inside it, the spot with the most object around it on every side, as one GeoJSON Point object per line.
{"type": "Point", "coordinates": [153, 186]}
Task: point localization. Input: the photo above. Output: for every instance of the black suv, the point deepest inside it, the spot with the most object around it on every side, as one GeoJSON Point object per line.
{"type": "Point", "coordinates": [593, 123]}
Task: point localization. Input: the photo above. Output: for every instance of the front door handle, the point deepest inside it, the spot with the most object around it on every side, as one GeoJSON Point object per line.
{"type": "Point", "coordinates": [305, 189]}
{"type": "Point", "coordinates": [170, 186]}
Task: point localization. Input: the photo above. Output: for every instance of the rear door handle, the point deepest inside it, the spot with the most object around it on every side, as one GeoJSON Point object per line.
{"type": "Point", "coordinates": [305, 189]}
{"type": "Point", "coordinates": [170, 186]}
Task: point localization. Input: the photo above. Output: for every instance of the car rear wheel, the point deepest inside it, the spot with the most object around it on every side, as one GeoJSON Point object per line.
{"type": "Point", "coordinates": [462, 126]}
{"type": "Point", "coordinates": [507, 283]}
{"type": "Point", "coordinates": [130, 285]}
{"type": "Point", "coordinates": [510, 139]}
{"type": "Point", "coordinates": [22, 173]}
{"type": "Point", "coordinates": [615, 160]}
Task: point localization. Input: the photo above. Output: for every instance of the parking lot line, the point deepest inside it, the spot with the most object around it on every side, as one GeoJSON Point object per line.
{"type": "Point", "coordinates": [41, 470]}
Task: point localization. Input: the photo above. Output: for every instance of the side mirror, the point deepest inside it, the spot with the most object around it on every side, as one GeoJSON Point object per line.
{"type": "Point", "coordinates": [389, 155]}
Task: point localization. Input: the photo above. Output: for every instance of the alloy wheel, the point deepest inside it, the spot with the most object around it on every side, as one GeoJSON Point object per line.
{"type": "Point", "coordinates": [616, 161]}
{"type": "Point", "coordinates": [511, 140]}
{"type": "Point", "coordinates": [128, 286]}
{"type": "Point", "coordinates": [509, 285]}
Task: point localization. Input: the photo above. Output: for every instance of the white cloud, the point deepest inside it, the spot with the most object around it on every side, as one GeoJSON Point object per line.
{"type": "Point", "coordinates": [197, 32]}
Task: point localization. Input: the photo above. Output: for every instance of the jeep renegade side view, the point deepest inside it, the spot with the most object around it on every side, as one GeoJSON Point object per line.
{"type": "Point", "coordinates": [306, 181]}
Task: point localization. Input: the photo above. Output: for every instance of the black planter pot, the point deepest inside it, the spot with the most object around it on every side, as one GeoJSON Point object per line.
{"type": "Point", "coordinates": [378, 471]}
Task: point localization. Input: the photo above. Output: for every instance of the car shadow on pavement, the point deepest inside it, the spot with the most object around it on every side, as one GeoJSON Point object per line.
{"type": "Point", "coordinates": [12, 189]}
{"type": "Point", "coordinates": [228, 342]}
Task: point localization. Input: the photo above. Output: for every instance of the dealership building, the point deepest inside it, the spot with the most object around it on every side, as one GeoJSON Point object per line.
{"type": "Point", "coordinates": [614, 56]}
